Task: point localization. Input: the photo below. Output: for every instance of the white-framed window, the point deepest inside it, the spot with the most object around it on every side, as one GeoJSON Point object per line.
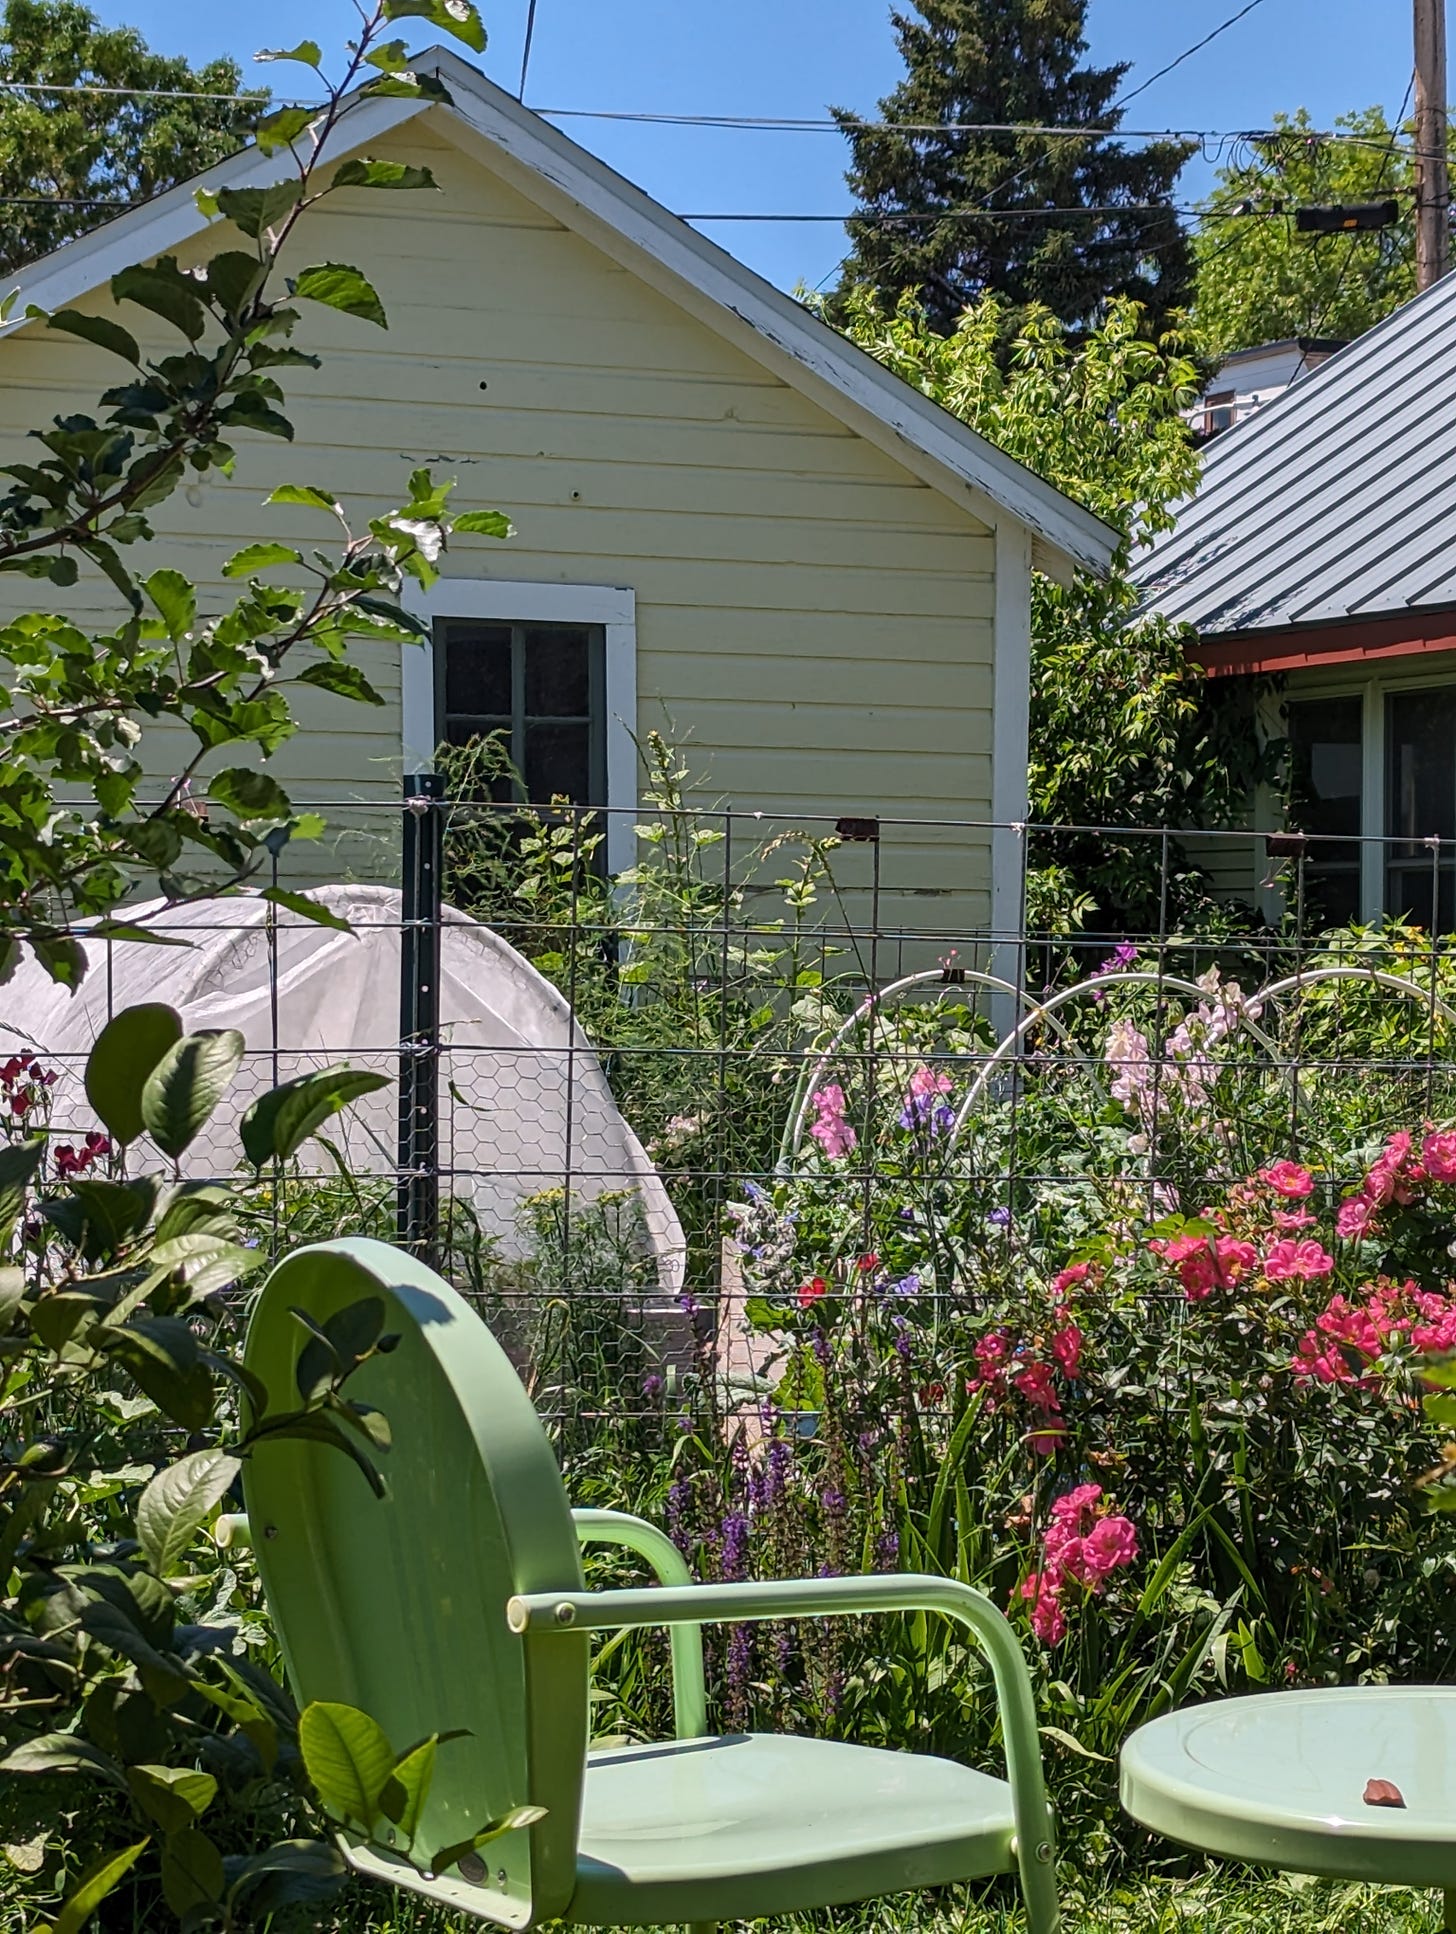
{"type": "Point", "coordinates": [1373, 770]}
{"type": "Point", "coordinates": [551, 669]}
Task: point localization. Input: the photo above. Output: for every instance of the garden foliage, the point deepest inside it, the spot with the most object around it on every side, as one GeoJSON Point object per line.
{"type": "Point", "coordinates": [1142, 741]}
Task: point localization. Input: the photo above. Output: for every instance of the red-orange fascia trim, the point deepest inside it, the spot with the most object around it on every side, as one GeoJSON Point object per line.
{"type": "Point", "coordinates": [1362, 641]}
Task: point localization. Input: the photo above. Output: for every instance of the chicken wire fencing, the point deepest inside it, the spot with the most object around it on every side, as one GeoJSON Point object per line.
{"type": "Point", "coordinates": [670, 1085]}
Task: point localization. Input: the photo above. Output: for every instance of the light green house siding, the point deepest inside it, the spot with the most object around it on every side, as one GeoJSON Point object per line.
{"type": "Point", "coordinates": [816, 624]}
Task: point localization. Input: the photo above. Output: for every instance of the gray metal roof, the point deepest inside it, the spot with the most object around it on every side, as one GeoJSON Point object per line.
{"type": "Point", "coordinates": [1335, 501]}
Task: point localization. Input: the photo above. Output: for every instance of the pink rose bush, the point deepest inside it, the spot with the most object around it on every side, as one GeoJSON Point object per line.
{"type": "Point", "coordinates": [1082, 1547]}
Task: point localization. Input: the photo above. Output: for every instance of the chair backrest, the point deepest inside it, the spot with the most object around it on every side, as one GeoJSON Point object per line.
{"type": "Point", "coordinates": [397, 1605]}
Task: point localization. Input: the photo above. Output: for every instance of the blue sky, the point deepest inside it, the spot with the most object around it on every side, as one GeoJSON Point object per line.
{"type": "Point", "coordinates": [792, 57]}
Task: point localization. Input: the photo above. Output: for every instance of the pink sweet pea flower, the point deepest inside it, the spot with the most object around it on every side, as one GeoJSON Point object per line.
{"type": "Point", "coordinates": [1067, 1349]}
{"type": "Point", "coordinates": [830, 1129]}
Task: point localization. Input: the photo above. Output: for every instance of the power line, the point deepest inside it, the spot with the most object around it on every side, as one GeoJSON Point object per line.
{"type": "Point", "coordinates": [1189, 52]}
{"type": "Point", "coordinates": [526, 49]}
{"type": "Point", "coordinates": [130, 93]}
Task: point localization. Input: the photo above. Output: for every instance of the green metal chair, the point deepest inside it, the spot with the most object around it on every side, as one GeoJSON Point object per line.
{"type": "Point", "coordinates": [1357, 1783]}
{"type": "Point", "coordinates": [457, 1601]}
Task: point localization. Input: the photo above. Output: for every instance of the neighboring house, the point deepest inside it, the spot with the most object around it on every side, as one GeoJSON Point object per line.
{"type": "Point", "coordinates": [1317, 561]}
{"type": "Point", "coordinates": [733, 525]}
{"type": "Point", "coordinates": [1249, 378]}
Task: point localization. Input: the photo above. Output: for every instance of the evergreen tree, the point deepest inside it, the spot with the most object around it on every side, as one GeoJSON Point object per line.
{"type": "Point", "coordinates": [61, 153]}
{"type": "Point", "coordinates": [1011, 61]}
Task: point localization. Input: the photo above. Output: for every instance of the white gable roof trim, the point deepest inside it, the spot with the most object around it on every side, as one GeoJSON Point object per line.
{"type": "Point", "coordinates": [628, 225]}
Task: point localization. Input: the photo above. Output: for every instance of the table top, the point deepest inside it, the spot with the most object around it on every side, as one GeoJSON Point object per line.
{"type": "Point", "coordinates": [1281, 1779]}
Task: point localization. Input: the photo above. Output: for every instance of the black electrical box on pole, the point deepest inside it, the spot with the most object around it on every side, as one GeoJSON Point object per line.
{"type": "Point", "coordinates": [422, 852]}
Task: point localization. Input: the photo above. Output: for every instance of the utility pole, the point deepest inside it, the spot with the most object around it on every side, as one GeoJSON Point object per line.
{"type": "Point", "coordinates": [1433, 190]}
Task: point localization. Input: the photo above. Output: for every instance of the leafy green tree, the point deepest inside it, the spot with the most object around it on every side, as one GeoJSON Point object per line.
{"type": "Point", "coordinates": [75, 706]}
{"type": "Point", "coordinates": [61, 154]}
{"type": "Point", "coordinates": [1258, 280]}
{"type": "Point", "coordinates": [1010, 61]}
{"type": "Point", "coordinates": [1122, 729]}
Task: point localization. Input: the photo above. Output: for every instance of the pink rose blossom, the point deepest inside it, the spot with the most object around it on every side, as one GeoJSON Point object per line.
{"type": "Point", "coordinates": [1438, 1155]}
{"type": "Point", "coordinates": [1300, 1262]}
{"type": "Point", "coordinates": [1288, 1178]}
{"type": "Point", "coordinates": [1353, 1217]}
{"type": "Point", "coordinates": [1048, 1620]}
{"type": "Point", "coordinates": [1300, 1219]}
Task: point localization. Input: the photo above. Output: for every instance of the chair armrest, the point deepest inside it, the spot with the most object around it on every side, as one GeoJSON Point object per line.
{"type": "Point", "coordinates": [689, 1683]}
{"type": "Point", "coordinates": [545, 1612]}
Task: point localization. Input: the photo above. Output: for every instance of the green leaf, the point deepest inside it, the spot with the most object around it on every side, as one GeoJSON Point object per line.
{"type": "Point", "coordinates": [176, 599]}
{"type": "Point", "coordinates": [177, 1503]}
{"type": "Point", "coordinates": [248, 793]}
{"type": "Point", "coordinates": [347, 1758]}
{"type": "Point", "coordinates": [308, 908]}
{"type": "Point", "coordinates": [357, 172]}
{"type": "Point", "coordinates": [282, 127]}
{"type": "Point", "coordinates": [304, 494]}
{"type": "Point", "coordinates": [307, 52]}
{"type": "Point", "coordinates": [408, 85]}
{"type": "Point", "coordinates": [160, 1355]}
{"type": "Point", "coordinates": [485, 523]}
{"type": "Point", "coordinates": [60, 1753]}
{"type": "Point", "coordinates": [519, 1816]}
{"type": "Point", "coordinates": [97, 1880]}
{"type": "Point", "coordinates": [18, 1164]}
{"type": "Point", "coordinates": [125, 1054]}
{"type": "Point", "coordinates": [207, 1261]}
{"type": "Point", "coordinates": [278, 1123]}
{"type": "Point", "coordinates": [408, 1787]}
{"type": "Point", "coordinates": [192, 1872]}
{"type": "Point", "coordinates": [341, 287]}
{"type": "Point", "coordinates": [166, 291]}
{"type": "Point", "coordinates": [346, 681]}
{"type": "Point", "coordinates": [457, 17]}
{"type": "Point", "coordinates": [234, 278]}
{"type": "Point", "coordinates": [289, 1874]}
{"type": "Point", "coordinates": [100, 330]}
{"type": "Point", "coordinates": [63, 958]}
{"type": "Point", "coordinates": [258, 557]}
{"type": "Point", "coordinates": [180, 1094]}
{"type": "Point", "coordinates": [251, 210]}
{"type": "Point", "coordinates": [173, 1796]}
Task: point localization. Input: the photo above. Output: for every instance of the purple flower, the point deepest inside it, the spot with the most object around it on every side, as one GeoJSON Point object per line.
{"type": "Point", "coordinates": [733, 1545]}
{"type": "Point", "coordinates": [924, 1107]}
{"type": "Point", "coordinates": [999, 1218]}
{"type": "Point", "coordinates": [833, 1500]}
{"type": "Point", "coordinates": [887, 1548]}
{"type": "Point", "coordinates": [652, 1386]}
{"type": "Point", "coordinates": [908, 1285]}
{"type": "Point", "coordinates": [821, 1347]}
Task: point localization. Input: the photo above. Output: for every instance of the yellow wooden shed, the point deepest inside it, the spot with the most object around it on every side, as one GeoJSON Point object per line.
{"type": "Point", "coordinates": [732, 525]}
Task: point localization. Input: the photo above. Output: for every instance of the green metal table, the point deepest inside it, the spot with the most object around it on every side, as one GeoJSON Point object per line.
{"type": "Point", "coordinates": [1357, 1783]}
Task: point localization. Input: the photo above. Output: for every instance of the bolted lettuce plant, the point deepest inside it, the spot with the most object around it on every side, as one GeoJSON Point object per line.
{"type": "Point", "coordinates": [77, 832]}
{"type": "Point", "coordinates": [127, 1659]}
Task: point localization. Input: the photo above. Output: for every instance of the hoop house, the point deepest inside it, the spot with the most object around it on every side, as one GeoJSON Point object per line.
{"type": "Point", "coordinates": [524, 1104]}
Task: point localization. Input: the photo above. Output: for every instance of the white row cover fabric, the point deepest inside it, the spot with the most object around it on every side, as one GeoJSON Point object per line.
{"type": "Point", "coordinates": [524, 1104]}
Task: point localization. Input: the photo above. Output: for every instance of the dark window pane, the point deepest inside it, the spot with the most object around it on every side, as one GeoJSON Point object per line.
{"type": "Point", "coordinates": [1326, 788]}
{"type": "Point", "coordinates": [478, 669]}
{"type": "Point", "coordinates": [558, 760]}
{"type": "Point", "coordinates": [1420, 803]}
{"type": "Point", "coordinates": [558, 678]}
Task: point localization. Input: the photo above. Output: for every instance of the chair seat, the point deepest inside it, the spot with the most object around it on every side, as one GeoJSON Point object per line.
{"type": "Point", "coordinates": [1279, 1779]}
{"type": "Point", "coordinates": [751, 1825]}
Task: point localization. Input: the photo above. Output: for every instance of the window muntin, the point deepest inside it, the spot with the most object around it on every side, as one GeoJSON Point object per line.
{"type": "Point", "coordinates": [541, 688]}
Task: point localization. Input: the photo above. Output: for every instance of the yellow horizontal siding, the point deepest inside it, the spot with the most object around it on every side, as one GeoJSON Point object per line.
{"type": "Point", "coordinates": [814, 622]}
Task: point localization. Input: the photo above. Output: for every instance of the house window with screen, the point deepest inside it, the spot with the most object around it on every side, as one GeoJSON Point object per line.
{"type": "Point", "coordinates": [540, 689]}
{"type": "Point", "coordinates": [1379, 763]}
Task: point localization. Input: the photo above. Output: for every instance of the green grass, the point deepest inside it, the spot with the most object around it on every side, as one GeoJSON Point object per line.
{"type": "Point", "coordinates": [1218, 1901]}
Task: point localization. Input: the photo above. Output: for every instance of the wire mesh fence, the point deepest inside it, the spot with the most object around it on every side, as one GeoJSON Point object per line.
{"type": "Point", "coordinates": [785, 1059]}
